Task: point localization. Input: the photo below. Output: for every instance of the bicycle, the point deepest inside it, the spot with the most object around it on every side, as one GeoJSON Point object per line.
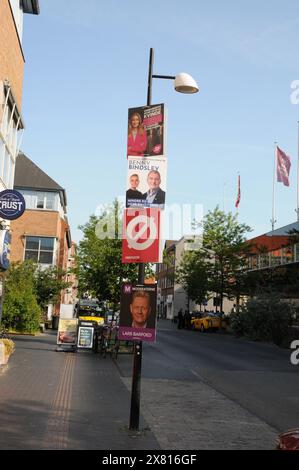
{"type": "Point", "coordinates": [4, 333]}
{"type": "Point", "coordinates": [104, 340]}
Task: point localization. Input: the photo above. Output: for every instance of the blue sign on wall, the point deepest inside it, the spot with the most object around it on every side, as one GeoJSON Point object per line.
{"type": "Point", "coordinates": [12, 204]}
{"type": "Point", "coordinates": [5, 239]}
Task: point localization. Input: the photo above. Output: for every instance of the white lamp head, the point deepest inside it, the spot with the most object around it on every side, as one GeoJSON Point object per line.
{"type": "Point", "coordinates": [184, 83]}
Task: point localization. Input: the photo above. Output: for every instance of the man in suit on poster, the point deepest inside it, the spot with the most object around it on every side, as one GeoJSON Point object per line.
{"type": "Point", "coordinates": [155, 196]}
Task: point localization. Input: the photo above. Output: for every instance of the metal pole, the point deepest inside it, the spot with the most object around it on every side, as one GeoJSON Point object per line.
{"type": "Point", "coordinates": [297, 208]}
{"type": "Point", "coordinates": [1, 298]}
{"type": "Point", "coordinates": [137, 361]}
{"type": "Point", "coordinates": [150, 77]}
{"type": "Point", "coordinates": [273, 189]}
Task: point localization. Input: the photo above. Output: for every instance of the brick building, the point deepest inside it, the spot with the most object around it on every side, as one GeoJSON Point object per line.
{"type": "Point", "coordinates": [43, 234]}
{"type": "Point", "coordinates": [11, 83]}
{"type": "Point", "coordinates": [12, 62]}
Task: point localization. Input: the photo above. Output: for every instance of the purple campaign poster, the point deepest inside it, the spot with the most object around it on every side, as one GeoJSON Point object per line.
{"type": "Point", "coordinates": [138, 312]}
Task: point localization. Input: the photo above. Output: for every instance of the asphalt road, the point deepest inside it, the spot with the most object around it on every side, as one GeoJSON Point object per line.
{"type": "Point", "coordinates": [258, 377]}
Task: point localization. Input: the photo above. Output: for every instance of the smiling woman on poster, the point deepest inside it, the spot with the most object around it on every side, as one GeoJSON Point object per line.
{"type": "Point", "coordinates": [137, 139]}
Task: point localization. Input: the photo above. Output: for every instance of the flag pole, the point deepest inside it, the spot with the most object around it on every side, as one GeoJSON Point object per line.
{"type": "Point", "coordinates": [238, 195]}
{"type": "Point", "coordinates": [297, 209]}
{"type": "Point", "coordinates": [273, 189]}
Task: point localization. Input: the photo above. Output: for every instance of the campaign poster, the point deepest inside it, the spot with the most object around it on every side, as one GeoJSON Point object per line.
{"type": "Point", "coordinates": [141, 236]}
{"type": "Point", "coordinates": [146, 131]}
{"type": "Point", "coordinates": [67, 331]}
{"type": "Point", "coordinates": [146, 183]}
{"type": "Point", "coordinates": [138, 312]}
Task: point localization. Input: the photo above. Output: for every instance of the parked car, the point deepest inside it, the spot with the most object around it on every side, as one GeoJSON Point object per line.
{"type": "Point", "coordinates": [89, 310]}
{"type": "Point", "coordinates": [208, 322]}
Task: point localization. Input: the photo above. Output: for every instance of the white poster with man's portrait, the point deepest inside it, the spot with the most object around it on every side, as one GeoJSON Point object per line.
{"type": "Point", "coordinates": [146, 183]}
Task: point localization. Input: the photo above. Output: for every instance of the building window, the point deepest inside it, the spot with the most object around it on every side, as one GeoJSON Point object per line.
{"type": "Point", "coordinates": [40, 249]}
{"type": "Point", "coordinates": [45, 200]}
{"type": "Point", "coordinates": [10, 125]}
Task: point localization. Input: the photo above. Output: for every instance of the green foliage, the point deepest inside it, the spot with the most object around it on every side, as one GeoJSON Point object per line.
{"type": "Point", "coordinates": [225, 244]}
{"type": "Point", "coordinates": [279, 280]}
{"type": "Point", "coordinates": [219, 265]}
{"type": "Point", "coordinates": [20, 308]}
{"type": "Point", "coordinates": [48, 284]}
{"type": "Point", "coordinates": [100, 270]}
{"type": "Point", "coordinates": [265, 318]}
{"type": "Point", "coordinates": [192, 274]}
{"type": "Point", "coordinates": [9, 346]}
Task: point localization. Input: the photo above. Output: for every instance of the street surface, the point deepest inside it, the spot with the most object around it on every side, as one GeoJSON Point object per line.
{"type": "Point", "coordinates": [57, 400]}
{"type": "Point", "coordinates": [211, 390]}
{"type": "Point", "coordinates": [199, 391]}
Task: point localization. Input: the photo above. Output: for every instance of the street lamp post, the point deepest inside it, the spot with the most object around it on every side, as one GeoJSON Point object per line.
{"type": "Point", "coordinates": [183, 83]}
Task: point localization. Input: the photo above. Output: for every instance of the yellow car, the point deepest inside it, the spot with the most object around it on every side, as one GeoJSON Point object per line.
{"type": "Point", "coordinates": [208, 322]}
{"type": "Point", "coordinates": [90, 311]}
{"type": "Point", "coordinates": [99, 320]}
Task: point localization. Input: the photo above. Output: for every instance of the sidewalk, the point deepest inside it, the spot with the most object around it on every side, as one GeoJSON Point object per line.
{"type": "Point", "coordinates": [187, 413]}
{"type": "Point", "coordinates": [51, 400]}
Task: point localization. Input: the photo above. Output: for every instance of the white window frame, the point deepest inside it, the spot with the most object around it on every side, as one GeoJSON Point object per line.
{"type": "Point", "coordinates": [39, 237]}
{"type": "Point", "coordinates": [11, 133]}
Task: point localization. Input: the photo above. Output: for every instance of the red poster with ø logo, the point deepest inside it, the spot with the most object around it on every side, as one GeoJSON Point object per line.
{"type": "Point", "coordinates": [141, 236]}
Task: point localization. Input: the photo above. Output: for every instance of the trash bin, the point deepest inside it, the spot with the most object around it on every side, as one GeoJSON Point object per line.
{"type": "Point", "coordinates": [55, 321]}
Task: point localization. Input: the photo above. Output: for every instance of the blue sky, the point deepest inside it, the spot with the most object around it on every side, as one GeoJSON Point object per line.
{"type": "Point", "coordinates": [87, 63]}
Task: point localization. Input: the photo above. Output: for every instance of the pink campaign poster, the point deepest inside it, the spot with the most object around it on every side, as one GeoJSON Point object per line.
{"type": "Point", "coordinates": [138, 312]}
{"type": "Point", "coordinates": [146, 131]}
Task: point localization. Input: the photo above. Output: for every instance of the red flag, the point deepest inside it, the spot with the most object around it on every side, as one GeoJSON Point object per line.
{"type": "Point", "coordinates": [239, 192]}
{"type": "Point", "coordinates": [283, 167]}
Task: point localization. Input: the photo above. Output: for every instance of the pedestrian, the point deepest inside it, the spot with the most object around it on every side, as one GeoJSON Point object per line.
{"type": "Point", "coordinates": [180, 319]}
{"type": "Point", "coordinates": [187, 319]}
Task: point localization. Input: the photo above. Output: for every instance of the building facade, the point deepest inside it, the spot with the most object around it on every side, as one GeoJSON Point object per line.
{"type": "Point", "coordinates": [11, 86]}
{"type": "Point", "coordinates": [279, 247]}
{"type": "Point", "coordinates": [43, 233]}
{"type": "Point", "coordinates": [11, 83]}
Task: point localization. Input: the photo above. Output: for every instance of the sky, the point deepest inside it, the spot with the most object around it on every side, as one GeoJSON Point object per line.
{"type": "Point", "coordinates": [87, 63]}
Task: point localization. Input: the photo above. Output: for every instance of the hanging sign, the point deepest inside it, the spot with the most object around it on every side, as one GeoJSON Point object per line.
{"type": "Point", "coordinates": [5, 239]}
{"type": "Point", "coordinates": [12, 204]}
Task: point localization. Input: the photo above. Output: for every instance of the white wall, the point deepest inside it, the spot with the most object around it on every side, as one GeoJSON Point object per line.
{"type": "Point", "coordinates": [18, 16]}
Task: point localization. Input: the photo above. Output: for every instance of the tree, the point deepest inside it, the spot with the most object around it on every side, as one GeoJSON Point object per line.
{"type": "Point", "coordinates": [100, 269]}
{"type": "Point", "coordinates": [224, 247]}
{"type": "Point", "coordinates": [192, 274]}
{"type": "Point", "coordinates": [48, 284]}
{"type": "Point", "coordinates": [20, 307]}
{"type": "Point", "coordinates": [265, 318]}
